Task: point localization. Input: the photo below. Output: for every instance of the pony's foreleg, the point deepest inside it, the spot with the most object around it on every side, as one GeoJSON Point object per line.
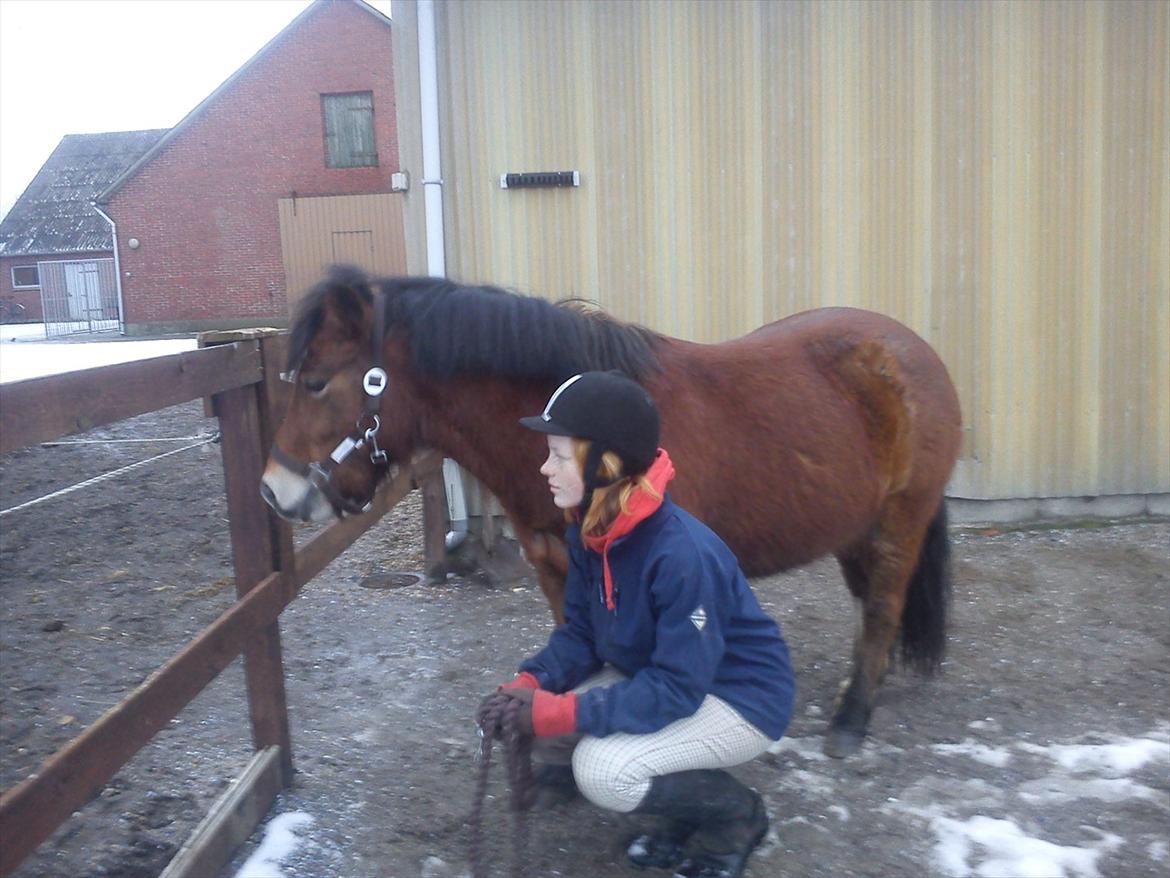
{"type": "Point", "coordinates": [877, 574]}
{"type": "Point", "coordinates": [546, 552]}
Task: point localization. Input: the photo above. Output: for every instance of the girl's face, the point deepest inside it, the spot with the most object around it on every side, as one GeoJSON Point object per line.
{"type": "Point", "coordinates": [563, 474]}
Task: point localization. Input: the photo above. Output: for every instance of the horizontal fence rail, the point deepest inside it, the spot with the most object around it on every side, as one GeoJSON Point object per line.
{"type": "Point", "coordinates": [43, 409]}
{"type": "Point", "coordinates": [32, 810]}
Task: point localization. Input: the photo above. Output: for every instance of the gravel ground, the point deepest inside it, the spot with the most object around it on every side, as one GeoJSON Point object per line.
{"type": "Point", "coordinates": [1061, 639]}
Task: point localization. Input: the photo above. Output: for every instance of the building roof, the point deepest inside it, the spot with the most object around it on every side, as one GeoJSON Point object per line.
{"type": "Point", "coordinates": [104, 195]}
{"type": "Point", "coordinates": [55, 213]}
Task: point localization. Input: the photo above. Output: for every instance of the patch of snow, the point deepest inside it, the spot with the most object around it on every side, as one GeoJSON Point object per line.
{"type": "Point", "coordinates": [983, 846]}
{"type": "Point", "coordinates": [280, 840]}
{"type": "Point", "coordinates": [808, 782]}
{"type": "Point", "coordinates": [840, 812]}
{"type": "Point", "coordinates": [22, 332]}
{"type": "Point", "coordinates": [996, 757]}
{"type": "Point", "coordinates": [988, 725]}
{"type": "Point", "coordinates": [1059, 790]}
{"type": "Point", "coordinates": [434, 867]}
{"type": "Point", "coordinates": [925, 795]}
{"type": "Point", "coordinates": [638, 847]}
{"type": "Point", "coordinates": [367, 736]}
{"type": "Point", "coordinates": [805, 748]}
{"type": "Point", "coordinates": [1010, 853]}
{"type": "Point", "coordinates": [1122, 757]}
{"type": "Point", "coordinates": [22, 357]}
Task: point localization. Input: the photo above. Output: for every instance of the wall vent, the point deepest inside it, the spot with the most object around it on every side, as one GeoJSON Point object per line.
{"type": "Point", "coordinates": [540, 179]}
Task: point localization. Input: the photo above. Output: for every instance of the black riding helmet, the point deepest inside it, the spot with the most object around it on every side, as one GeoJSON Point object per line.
{"type": "Point", "coordinates": [613, 412]}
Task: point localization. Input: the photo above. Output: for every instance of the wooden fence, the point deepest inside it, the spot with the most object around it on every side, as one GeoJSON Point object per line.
{"type": "Point", "coordinates": [238, 373]}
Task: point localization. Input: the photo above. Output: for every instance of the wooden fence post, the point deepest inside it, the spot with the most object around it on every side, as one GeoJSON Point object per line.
{"type": "Point", "coordinates": [428, 477]}
{"type": "Point", "coordinates": [261, 543]}
{"type": "Point", "coordinates": [274, 397]}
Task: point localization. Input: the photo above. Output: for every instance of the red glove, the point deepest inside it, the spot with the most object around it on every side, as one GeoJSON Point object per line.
{"type": "Point", "coordinates": [544, 714]}
{"type": "Point", "coordinates": [523, 680]}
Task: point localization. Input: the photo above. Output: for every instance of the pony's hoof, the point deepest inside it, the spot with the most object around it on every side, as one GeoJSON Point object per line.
{"type": "Point", "coordinates": [840, 743]}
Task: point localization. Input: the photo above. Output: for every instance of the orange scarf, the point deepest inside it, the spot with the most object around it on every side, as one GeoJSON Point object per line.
{"type": "Point", "coordinates": [640, 506]}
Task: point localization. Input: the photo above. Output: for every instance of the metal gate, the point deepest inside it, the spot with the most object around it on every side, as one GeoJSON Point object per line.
{"type": "Point", "coordinates": [79, 296]}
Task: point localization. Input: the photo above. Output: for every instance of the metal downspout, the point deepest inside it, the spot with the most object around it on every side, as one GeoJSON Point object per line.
{"type": "Point", "coordinates": [117, 267]}
{"type": "Point", "coordinates": [432, 183]}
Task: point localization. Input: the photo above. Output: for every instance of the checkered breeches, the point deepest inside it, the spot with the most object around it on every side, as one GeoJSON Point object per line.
{"type": "Point", "coordinates": [614, 772]}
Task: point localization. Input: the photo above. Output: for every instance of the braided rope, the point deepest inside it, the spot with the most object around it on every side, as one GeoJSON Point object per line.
{"type": "Point", "coordinates": [501, 716]}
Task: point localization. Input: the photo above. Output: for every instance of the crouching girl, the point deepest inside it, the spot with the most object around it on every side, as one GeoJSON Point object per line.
{"type": "Point", "coordinates": [666, 671]}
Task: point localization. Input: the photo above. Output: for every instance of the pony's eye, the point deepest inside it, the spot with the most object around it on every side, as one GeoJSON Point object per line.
{"type": "Point", "coordinates": [315, 386]}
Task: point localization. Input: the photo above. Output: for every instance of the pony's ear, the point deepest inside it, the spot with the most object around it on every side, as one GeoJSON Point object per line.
{"type": "Point", "coordinates": [346, 306]}
{"type": "Point", "coordinates": [339, 307]}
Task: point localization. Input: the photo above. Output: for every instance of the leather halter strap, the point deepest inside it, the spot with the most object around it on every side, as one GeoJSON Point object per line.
{"type": "Point", "coordinates": [365, 431]}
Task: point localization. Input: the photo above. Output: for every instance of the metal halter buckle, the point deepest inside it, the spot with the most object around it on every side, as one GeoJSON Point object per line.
{"type": "Point", "coordinates": [374, 381]}
{"type": "Point", "coordinates": [377, 455]}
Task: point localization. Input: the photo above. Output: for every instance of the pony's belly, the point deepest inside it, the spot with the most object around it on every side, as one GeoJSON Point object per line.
{"type": "Point", "coordinates": [784, 528]}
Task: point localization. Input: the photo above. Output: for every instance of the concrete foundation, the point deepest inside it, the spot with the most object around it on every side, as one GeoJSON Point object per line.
{"type": "Point", "coordinates": [965, 511]}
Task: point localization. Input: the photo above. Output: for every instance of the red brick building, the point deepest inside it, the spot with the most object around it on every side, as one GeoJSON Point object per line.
{"type": "Point", "coordinates": [308, 121]}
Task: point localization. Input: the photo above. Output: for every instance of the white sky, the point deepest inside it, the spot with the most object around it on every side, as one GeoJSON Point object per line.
{"type": "Point", "coordinates": [88, 66]}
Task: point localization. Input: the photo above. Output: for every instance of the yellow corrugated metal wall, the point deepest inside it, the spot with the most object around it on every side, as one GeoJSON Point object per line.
{"type": "Point", "coordinates": [992, 173]}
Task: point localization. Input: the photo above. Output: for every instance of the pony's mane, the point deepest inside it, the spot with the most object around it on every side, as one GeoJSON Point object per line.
{"type": "Point", "coordinates": [459, 329]}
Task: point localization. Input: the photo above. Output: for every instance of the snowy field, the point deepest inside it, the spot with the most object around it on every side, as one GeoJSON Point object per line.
{"type": "Point", "coordinates": [25, 353]}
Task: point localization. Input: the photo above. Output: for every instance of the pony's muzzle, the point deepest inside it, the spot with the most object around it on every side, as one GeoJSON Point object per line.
{"type": "Point", "coordinates": [293, 497]}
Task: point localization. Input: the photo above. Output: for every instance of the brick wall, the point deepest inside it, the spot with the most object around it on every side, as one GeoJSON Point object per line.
{"type": "Point", "coordinates": [204, 209]}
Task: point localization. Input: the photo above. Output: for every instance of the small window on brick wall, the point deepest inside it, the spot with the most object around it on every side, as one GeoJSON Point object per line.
{"type": "Point", "coordinates": [25, 277]}
{"type": "Point", "coordinates": [349, 130]}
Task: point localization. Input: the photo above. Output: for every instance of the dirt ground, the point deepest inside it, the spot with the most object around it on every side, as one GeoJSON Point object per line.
{"type": "Point", "coordinates": [1061, 637]}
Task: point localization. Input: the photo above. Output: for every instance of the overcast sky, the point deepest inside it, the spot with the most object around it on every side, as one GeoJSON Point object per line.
{"type": "Point", "coordinates": [87, 66]}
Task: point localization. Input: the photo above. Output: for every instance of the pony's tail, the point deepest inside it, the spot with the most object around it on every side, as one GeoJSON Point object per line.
{"type": "Point", "coordinates": [928, 598]}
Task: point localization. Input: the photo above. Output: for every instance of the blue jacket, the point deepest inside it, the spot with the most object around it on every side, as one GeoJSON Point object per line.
{"type": "Point", "coordinates": [686, 625]}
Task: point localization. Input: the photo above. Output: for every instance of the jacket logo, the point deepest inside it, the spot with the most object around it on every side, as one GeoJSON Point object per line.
{"type": "Point", "coordinates": [699, 618]}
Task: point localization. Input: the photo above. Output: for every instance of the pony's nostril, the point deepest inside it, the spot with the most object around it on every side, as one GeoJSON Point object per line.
{"type": "Point", "coordinates": [268, 494]}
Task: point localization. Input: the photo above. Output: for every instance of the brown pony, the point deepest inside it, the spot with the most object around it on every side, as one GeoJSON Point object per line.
{"type": "Point", "coordinates": [834, 430]}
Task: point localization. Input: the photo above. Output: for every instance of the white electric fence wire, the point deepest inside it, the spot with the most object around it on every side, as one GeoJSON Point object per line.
{"type": "Point", "coordinates": [105, 476]}
{"type": "Point", "coordinates": [119, 441]}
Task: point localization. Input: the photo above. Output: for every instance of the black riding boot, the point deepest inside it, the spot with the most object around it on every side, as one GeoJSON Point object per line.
{"type": "Point", "coordinates": [724, 819]}
{"type": "Point", "coordinates": [555, 785]}
{"type": "Point", "coordinates": [664, 848]}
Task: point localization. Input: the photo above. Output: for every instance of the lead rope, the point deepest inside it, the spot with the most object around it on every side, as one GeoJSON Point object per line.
{"type": "Point", "coordinates": [518, 763]}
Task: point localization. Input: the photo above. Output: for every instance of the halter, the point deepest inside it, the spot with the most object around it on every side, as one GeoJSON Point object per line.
{"type": "Point", "coordinates": [365, 431]}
